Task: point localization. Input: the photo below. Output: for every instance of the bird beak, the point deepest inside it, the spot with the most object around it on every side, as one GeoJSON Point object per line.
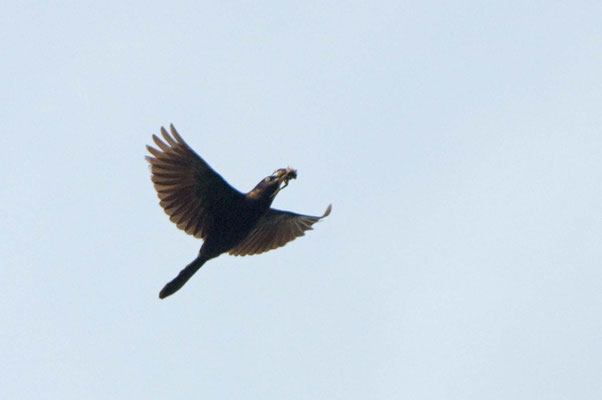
{"type": "Point", "coordinates": [284, 175]}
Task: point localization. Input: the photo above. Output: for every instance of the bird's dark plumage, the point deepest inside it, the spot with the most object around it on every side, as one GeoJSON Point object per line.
{"type": "Point", "coordinates": [201, 203]}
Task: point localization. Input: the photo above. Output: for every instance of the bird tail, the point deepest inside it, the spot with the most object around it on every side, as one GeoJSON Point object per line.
{"type": "Point", "coordinates": [182, 277]}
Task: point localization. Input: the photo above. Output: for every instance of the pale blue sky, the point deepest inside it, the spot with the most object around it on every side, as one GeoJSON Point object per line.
{"type": "Point", "coordinates": [460, 144]}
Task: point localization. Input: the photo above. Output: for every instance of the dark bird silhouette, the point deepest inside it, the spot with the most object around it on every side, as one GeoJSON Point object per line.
{"type": "Point", "coordinates": [201, 203]}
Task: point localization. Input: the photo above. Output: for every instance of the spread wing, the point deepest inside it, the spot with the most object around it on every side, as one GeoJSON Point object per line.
{"type": "Point", "coordinates": [275, 229]}
{"type": "Point", "coordinates": [191, 193]}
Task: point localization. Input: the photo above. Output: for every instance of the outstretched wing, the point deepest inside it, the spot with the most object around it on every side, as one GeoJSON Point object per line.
{"type": "Point", "coordinates": [191, 193]}
{"type": "Point", "coordinates": [275, 229]}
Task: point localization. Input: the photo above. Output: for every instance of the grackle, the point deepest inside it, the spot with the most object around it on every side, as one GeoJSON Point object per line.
{"type": "Point", "coordinates": [201, 203]}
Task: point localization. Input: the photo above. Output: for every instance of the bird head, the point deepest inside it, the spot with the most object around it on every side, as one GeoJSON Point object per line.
{"type": "Point", "coordinates": [269, 186]}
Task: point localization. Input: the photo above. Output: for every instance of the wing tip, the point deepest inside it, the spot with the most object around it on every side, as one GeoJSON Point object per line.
{"type": "Point", "coordinates": [327, 212]}
{"type": "Point", "coordinates": [155, 153]}
{"type": "Point", "coordinates": [176, 135]}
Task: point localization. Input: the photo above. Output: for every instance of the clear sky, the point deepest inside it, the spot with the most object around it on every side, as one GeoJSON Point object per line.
{"type": "Point", "coordinates": [459, 142]}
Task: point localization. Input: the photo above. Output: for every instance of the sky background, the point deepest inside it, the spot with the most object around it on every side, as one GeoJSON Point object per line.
{"type": "Point", "coordinates": [459, 142]}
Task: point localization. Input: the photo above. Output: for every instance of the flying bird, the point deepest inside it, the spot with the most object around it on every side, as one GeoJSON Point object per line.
{"type": "Point", "coordinates": [201, 203]}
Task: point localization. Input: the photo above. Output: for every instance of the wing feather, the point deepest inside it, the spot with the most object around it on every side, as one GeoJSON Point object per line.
{"type": "Point", "coordinates": [191, 193]}
{"type": "Point", "coordinates": [275, 229]}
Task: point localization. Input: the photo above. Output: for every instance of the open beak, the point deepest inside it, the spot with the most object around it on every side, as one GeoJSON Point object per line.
{"type": "Point", "coordinates": [284, 175]}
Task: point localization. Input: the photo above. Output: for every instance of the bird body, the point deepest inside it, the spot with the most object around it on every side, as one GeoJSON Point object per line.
{"type": "Point", "coordinates": [200, 202]}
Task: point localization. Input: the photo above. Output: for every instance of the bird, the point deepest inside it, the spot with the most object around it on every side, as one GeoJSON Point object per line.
{"type": "Point", "coordinates": [201, 203]}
